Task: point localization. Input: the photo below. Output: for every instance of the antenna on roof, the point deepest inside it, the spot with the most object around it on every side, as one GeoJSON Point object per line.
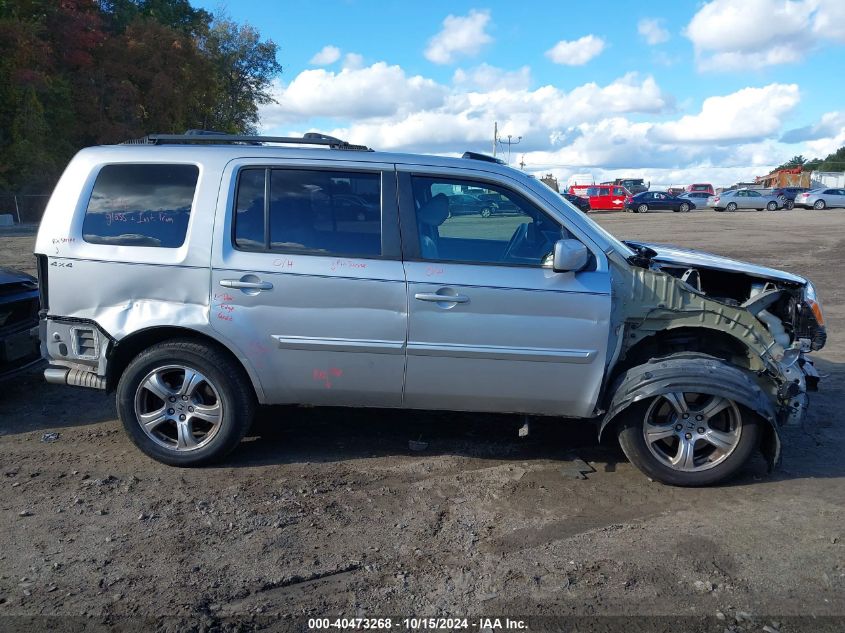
{"type": "Point", "coordinates": [484, 157]}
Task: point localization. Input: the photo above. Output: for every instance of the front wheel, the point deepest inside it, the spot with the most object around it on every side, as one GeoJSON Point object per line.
{"type": "Point", "coordinates": [184, 403]}
{"type": "Point", "coordinates": [772, 206]}
{"type": "Point", "coordinates": [643, 208]}
{"type": "Point", "coordinates": [688, 438]}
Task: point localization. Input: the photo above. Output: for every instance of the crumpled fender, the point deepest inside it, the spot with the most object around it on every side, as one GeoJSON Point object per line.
{"type": "Point", "coordinates": [700, 373]}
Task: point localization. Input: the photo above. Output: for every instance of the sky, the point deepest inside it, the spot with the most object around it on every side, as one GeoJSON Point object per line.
{"type": "Point", "coordinates": [671, 91]}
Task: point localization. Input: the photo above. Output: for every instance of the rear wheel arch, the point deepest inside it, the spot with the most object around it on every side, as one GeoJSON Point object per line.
{"type": "Point", "coordinates": [130, 346]}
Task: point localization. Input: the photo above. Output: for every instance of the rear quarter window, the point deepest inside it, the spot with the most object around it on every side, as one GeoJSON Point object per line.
{"type": "Point", "coordinates": [141, 205]}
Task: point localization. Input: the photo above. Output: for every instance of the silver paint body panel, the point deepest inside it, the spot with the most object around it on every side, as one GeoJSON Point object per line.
{"type": "Point", "coordinates": [340, 331]}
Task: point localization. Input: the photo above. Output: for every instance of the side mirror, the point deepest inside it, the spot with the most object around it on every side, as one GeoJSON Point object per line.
{"type": "Point", "coordinates": [569, 256]}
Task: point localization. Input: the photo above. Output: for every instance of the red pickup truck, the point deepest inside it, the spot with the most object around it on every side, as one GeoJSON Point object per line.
{"type": "Point", "coordinates": [603, 196]}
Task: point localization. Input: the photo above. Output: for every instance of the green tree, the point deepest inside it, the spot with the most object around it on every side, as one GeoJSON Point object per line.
{"type": "Point", "coordinates": [243, 69]}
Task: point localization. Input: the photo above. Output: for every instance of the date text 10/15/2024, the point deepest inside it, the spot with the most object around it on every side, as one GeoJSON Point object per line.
{"type": "Point", "coordinates": [418, 624]}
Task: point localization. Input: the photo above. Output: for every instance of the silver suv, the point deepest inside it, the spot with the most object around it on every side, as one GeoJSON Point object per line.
{"type": "Point", "coordinates": [198, 276]}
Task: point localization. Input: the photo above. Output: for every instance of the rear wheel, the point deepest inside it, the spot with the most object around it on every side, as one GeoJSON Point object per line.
{"type": "Point", "coordinates": [486, 212]}
{"type": "Point", "coordinates": [643, 208]}
{"type": "Point", "coordinates": [184, 403]}
{"type": "Point", "coordinates": [688, 438]}
{"type": "Point", "coordinates": [684, 207]}
{"type": "Point", "coordinates": [731, 206]}
{"type": "Point", "coordinates": [819, 204]}
{"type": "Point", "coordinates": [789, 205]}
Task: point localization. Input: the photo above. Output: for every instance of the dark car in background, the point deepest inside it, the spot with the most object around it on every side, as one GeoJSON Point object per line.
{"type": "Point", "coordinates": [466, 204]}
{"type": "Point", "coordinates": [786, 195]}
{"type": "Point", "coordinates": [496, 203]}
{"type": "Point", "coordinates": [19, 346]}
{"type": "Point", "coordinates": [658, 201]}
{"type": "Point", "coordinates": [581, 203]}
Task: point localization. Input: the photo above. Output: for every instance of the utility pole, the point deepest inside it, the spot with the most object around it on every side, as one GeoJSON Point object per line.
{"type": "Point", "coordinates": [495, 136]}
{"type": "Point", "coordinates": [510, 142]}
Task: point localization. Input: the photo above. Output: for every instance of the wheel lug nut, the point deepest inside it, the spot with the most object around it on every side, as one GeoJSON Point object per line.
{"type": "Point", "coordinates": [190, 409]}
{"type": "Point", "coordinates": [688, 436]}
{"type": "Point", "coordinates": [678, 427]}
{"type": "Point", "coordinates": [685, 416]}
{"type": "Point", "coordinates": [701, 430]}
{"type": "Point", "coordinates": [699, 417]}
{"type": "Point", "coordinates": [184, 397]}
{"type": "Point", "coordinates": [172, 398]}
{"type": "Point", "coordinates": [170, 412]}
{"type": "Point", "coordinates": [182, 417]}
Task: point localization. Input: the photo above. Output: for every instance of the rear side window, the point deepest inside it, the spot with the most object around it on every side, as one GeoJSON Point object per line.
{"type": "Point", "coordinates": [141, 205]}
{"type": "Point", "coordinates": [309, 211]}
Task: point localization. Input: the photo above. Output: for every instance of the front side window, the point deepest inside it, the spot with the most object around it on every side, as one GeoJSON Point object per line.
{"type": "Point", "coordinates": [514, 232]}
{"type": "Point", "coordinates": [618, 191]}
{"type": "Point", "coordinates": [309, 211]}
{"type": "Point", "coordinates": [141, 205]}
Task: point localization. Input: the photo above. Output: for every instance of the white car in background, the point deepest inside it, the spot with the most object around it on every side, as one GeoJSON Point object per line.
{"type": "Point", "coordinates": [820, 198]}
{"type": "Point", "coordinates": [734, 199]}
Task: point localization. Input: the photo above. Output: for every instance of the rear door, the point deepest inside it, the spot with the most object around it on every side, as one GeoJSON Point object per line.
{"type": "Point", "coordinates": [490, 327]}
{"type": "Point", "coordinates": [313, 295]}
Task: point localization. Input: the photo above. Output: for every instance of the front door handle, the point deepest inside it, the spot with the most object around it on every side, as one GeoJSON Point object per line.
{"type": "Point", "coordinates": [437, 298]}
{"type": "Point", "coordinates": [246, 284]}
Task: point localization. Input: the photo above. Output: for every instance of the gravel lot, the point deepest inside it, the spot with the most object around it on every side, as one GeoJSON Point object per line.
{"type": "Point", "coordinates": [328, 512]}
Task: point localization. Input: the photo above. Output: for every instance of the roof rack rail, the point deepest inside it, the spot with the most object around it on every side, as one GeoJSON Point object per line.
{"type": "Point", "coordinates": [210, 136]}
{"type": "Point", "coordinates": [484, 157]}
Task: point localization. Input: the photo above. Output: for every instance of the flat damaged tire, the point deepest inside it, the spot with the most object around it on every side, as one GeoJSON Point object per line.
{"type": "Point", "coordinates": [184, 403]}
{"type": "Point", "coordinates": [688, 439]}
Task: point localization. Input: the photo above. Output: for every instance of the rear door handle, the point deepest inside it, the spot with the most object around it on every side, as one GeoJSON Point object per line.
{"type": "Point", "coordinates": [433, 296]}
{"type": "Point", "coordinates": [250, 285]}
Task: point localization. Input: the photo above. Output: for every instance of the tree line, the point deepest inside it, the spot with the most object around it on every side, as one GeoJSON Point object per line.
{"type": "Point", "coordinates": [832, 162]}
{"type": "Point", "coordinates": [75, 73]}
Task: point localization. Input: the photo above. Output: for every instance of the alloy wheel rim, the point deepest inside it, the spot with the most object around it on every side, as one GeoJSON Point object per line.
{"type": "Point", "coordinates": [692, 432]}
{"type": "Point", "coordinates": [178, 408]}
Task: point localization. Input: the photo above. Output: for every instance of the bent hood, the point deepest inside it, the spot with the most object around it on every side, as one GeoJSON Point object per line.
{"type": "Point", "coordinates": [674, 255]}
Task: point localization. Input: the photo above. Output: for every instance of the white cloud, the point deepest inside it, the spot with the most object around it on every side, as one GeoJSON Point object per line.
{"type": "Point", "coordinates": [745, 115]}
{"type": "Point", "coordinates": [830, 125]}
{"type": "Point", "coordinates": [651, 29]}
{"type": "Point", "coordinates": [486, 77]}
{"type": "Point", "coordinates": [576, 52]}
{"type": "Point", "coordinates": [328, 55]}
{"type": "Point", "coordinates": [628, 126]}
{"type": "Point", "coordinates": [461, 35]}
{"type": "Point", "coordinates": [752, 34]}
{"type": "Point", "coordinates": [377, 90]}
{"type": "Point", "coordinates": [353, 61]}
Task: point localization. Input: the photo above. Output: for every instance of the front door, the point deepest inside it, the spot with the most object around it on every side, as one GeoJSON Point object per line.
{"type": "Point", "coordinates": [307, 281]}
{"type": "Point", "coordinates": [491, 328]}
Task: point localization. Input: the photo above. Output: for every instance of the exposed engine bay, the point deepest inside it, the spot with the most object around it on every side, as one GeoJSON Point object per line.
{"type": "Point", "coordinates": [759, 320]}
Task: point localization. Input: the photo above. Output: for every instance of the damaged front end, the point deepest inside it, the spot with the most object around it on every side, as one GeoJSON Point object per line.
{"type": "Point", "coordinates": [761, 321]}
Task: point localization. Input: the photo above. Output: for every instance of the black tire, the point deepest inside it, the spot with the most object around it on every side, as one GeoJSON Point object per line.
{"type": "Point", "coordinates": [632, 440]}
{"type": "Point", "coordinates": [789, 205]}
{"type": "Point", "coordinates": [643, 208]}
{"type": "Point", "coordinates": [772, 206]}
{"type": "Point", "coordinates": [731, 207]}
{"type": "Point", "coordinates": [228, 379]}
{"type": "Point", "coordinates": [684, 207]}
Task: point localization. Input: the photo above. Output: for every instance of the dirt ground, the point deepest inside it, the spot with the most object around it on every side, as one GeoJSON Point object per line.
{"type": "Point", "coordinates": [328, 512]}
